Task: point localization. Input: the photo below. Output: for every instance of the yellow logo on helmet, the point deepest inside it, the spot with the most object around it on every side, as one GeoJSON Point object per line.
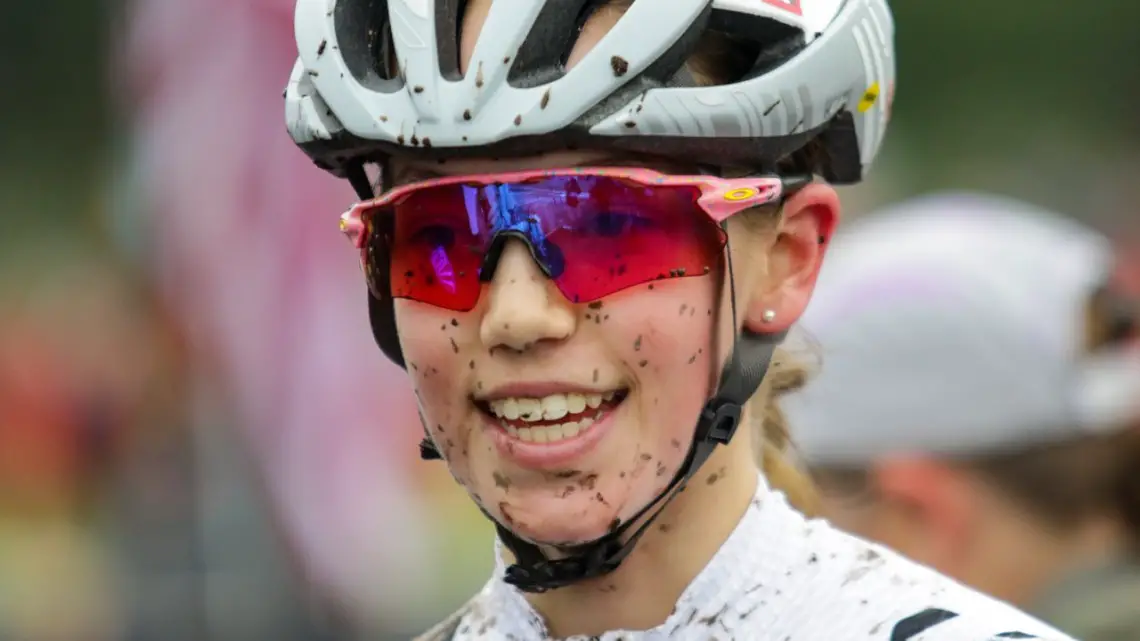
{"type": "Point", "coordinates": [870, 96]}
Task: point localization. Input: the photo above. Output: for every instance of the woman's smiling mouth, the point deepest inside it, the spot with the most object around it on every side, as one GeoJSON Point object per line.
{"type": "Point", "coordinates": [551, 430]}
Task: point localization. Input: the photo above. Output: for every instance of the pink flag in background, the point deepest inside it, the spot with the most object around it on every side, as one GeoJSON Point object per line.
{"type": "Point", "coordinates": [246, 248]}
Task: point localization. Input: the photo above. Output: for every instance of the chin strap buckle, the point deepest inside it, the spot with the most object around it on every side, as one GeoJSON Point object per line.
{"type": "Point", "coordinates": [720, 419]}
{"type": "Point", "coordinates": [545, 575]}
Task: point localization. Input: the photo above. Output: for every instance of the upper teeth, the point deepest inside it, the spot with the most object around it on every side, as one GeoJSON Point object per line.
{"type": "Point", "coordinates": [548, 408]}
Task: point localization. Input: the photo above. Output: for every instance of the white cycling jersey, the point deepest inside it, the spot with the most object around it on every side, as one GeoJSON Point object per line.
{"type": "Point", "coordinates": [783, 577]}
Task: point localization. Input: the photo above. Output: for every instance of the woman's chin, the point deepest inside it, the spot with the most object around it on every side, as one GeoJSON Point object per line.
{"type": "Point", "coordinates": [560, 527]}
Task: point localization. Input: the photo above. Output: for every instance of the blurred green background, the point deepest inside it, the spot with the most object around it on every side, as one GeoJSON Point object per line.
{"type": "Point", "coordinates": [1037, 100]}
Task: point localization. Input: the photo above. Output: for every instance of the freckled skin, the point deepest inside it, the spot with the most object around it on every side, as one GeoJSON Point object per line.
{"type": "Point", "coordinates": [637, 457]}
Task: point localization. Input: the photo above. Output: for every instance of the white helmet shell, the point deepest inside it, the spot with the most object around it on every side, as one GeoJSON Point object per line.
{"type": "Point", "coordinates": [825, 69]}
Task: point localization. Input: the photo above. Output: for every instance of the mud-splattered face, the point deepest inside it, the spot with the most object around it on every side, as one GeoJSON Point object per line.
{"type": "Point", "coordinates": [561, 419]}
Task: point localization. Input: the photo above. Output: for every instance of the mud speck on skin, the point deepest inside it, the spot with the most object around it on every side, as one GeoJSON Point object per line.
{"type": "Point", "coordinates": [595, 305]}
{"type": "Point", "coordinates": [600, 499]}
{"type": "Point", "coordinates": [588, 482]}
{"type": "Point", "coordinates": [619, 65]}
{"type": "Point", "coordinates": [676, 444]}
{"type": "Point", "coordinates": [595, 375]}
{"type": "Point", "coordinates": [567, 474]}
{"type": "Point", "coordinates": [664, 528]}
{"type": "Point", "coordinates": [642, 363]}
{"type": "Point", "coordinates": [716, 476]}
{"type": "Point", "coordinates": [692, 359]}
{"type": "Point", "coordinates": [455, 322]}
{"type": "Point", "coordinates": [615, 524]}
{"type": "Point", "coordinates": [471, 365]}
{"type": "Point", "coordinates": [637, 343]}
{"type": "Point", "coordinates": [501, 481]}
{"type": "Point", "coordinates": [454, 345]}
{"type": "Point", "coordinates": [567, 491]}
{"type": "Point", "coordinates": [646, 456]}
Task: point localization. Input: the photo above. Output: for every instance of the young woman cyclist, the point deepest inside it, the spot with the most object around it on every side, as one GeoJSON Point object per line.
{"type": "Point", "coordinates": [596, 222]}
{"type": "Point", "coordinates": [978, 406]}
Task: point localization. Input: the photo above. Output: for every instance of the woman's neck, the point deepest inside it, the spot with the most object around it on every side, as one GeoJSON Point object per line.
{"type": "Point", "coordinates": [642, 593]}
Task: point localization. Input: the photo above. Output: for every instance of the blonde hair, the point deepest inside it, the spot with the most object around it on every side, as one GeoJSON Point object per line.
{"type": "Point", "coordinates": [772, 438]}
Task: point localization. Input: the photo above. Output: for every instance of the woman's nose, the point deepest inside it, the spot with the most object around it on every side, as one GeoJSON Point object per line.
{"type": "Point", "coordinates": [524, 308]}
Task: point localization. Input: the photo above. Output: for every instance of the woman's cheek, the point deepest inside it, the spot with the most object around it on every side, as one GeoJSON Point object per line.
{"type": "Point", "coordinates": [668, 330]}
{"type": "Point", "coordinates": [430, 341]}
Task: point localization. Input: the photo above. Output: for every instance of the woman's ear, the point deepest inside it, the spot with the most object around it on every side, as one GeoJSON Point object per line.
{"type": "Point", "coordinates": [782, 293]}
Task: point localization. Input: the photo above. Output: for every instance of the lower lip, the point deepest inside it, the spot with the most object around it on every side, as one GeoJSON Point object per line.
{"type": "Point", "coordinates": [550, 456]}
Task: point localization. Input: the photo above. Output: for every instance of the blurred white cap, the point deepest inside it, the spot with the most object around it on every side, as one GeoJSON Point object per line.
{"type": "Point", "coordinates": [954, 324]}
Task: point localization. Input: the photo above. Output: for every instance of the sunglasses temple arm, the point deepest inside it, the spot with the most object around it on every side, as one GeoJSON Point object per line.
{"type": "Point", "coordinates": [792, 184]}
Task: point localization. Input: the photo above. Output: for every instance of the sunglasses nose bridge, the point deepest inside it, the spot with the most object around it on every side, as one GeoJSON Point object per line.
{"type": "Point", "coordinates": [545, 254]}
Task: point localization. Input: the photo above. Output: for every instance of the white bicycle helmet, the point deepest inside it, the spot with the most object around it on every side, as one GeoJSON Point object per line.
{"type": "Point", "coordinates": [823, 69]}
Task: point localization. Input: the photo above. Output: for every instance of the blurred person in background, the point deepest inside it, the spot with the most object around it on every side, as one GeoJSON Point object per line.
{"type": "Point", "coordinates": [226, 217]}
{"type": "Point", "coordinates": [977, 405]}
{"type": "Point", "coordinates": [579, 333]}
{"type": "Point", "coordinates": [85, 367]}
